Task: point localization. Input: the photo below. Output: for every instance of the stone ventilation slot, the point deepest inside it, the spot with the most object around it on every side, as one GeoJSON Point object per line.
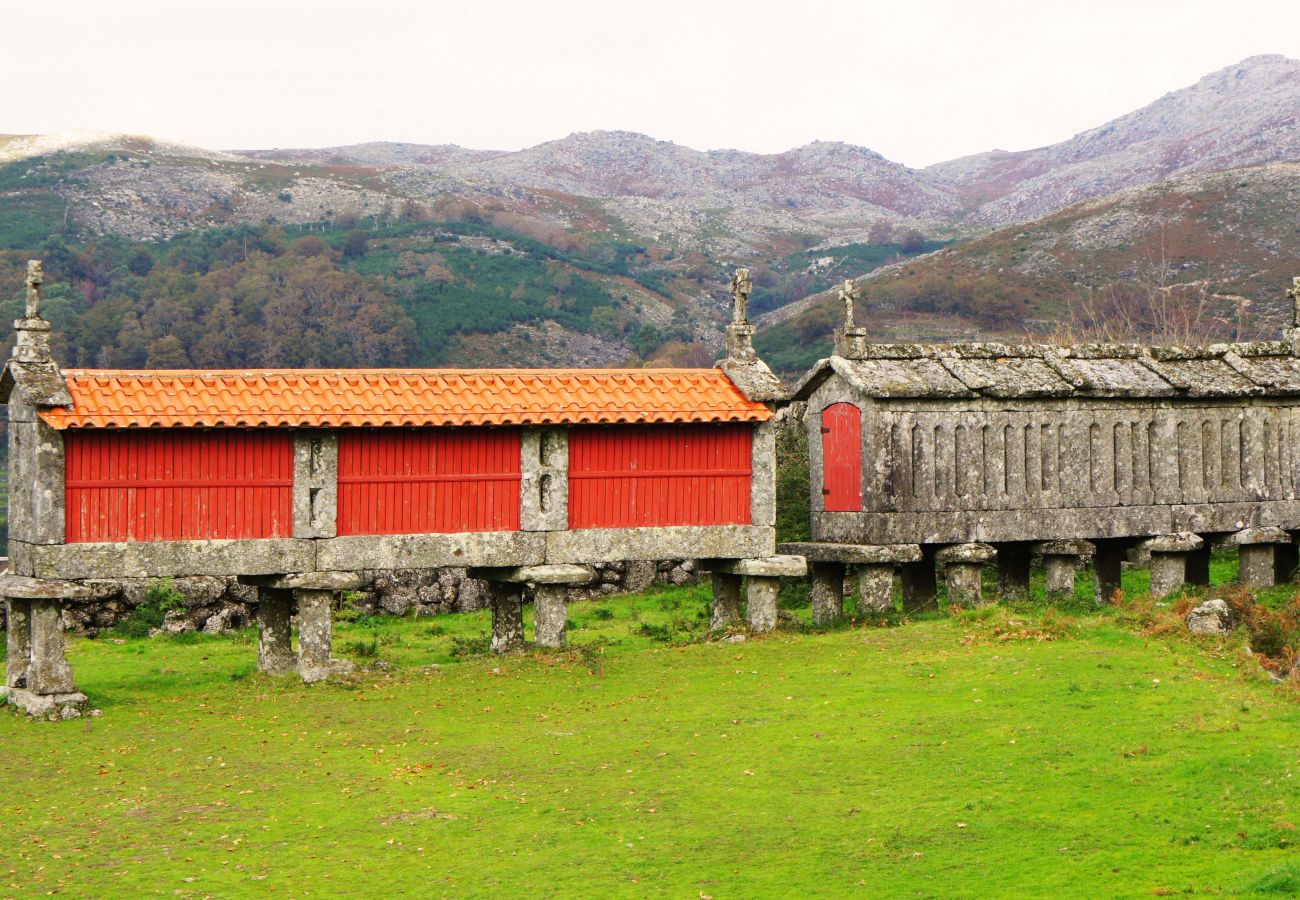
{"type": "Point", "coordinates": [313, 498]}
{"type": "Point", "coordinates": [317, 448]}
{"type": "Point", "coordinates": [544, 491]}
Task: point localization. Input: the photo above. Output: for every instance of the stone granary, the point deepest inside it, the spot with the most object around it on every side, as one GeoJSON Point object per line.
{"type": "Point", "coordinates": [302, 482]}
{"type": "Point", "coordinates": [959, 455]}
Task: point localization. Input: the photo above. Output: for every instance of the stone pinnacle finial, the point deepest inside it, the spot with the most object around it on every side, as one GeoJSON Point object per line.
{"type": "Point", "coordinates": [35, 278]}
{"type": "Point", "coordinates": [740, 289]}
{"type": "Point", "coordinates": [848, 295]}
{"type": "Point", "coordinates": [1294, 294]}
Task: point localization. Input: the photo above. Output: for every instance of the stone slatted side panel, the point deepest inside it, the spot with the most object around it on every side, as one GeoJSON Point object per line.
{"type": "Point", "coordinates": [954, 458]}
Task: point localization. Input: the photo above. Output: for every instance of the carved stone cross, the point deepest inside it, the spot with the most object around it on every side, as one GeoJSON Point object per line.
{"type": "Point", "coordinates": [35, 278]}
{"type": "Point", "coordinates": [740, 288]}
{"type": "Point", "coordinates": [849, 294]}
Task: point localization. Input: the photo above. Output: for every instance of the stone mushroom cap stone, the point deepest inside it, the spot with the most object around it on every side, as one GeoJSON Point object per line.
{"type": "Point", "coordinates": [18, 587]}
{"type": "Point", "coordinates": [546, 574]}
{"type": "Point", "coordinates": [309, 581]}
{"type": "Point", "coordinates": [1066, 548]}
{"type": "Point", "coordinates": [764, 567]}
{"type": "Point", "coordinates": [854, 554]}
{"type": "Point", "coordinates": [974, 554]}
{"type": "Point", "coordinates": [1269, 534]}
{"type": "Point", "coordinates": [1180, 542]}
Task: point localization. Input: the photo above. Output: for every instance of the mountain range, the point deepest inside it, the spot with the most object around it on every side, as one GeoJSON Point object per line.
{"type": "Point", "coordinates": [689, 208]}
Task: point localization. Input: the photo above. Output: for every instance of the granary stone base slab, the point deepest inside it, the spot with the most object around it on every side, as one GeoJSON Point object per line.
{"type": "Point", "coordinates": [1039, 524]}
{"type": "Point", "coordinates": [159, 559]}
{"type": "Point", "coordinates": [854, 554]}
{"type": "Point", "coordinates": [766, 567]}
{"type": "Point", "coordinates": [431, 551]}
{"type": "Point", "coordinates": [594, 545]}
{"type": "Point", "coordinates": [309, 581]}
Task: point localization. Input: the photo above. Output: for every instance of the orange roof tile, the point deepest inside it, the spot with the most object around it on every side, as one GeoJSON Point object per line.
{"type": "Point", "coordinates": [312, 397]}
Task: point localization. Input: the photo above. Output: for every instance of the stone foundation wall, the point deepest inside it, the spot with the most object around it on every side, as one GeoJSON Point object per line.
{"type": "Point", "coordinates": [217, 604]}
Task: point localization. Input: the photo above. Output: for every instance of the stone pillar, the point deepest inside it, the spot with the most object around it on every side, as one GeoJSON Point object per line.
{"type": "Point", "coordinates": [876, 588]}
{"type": "Point", "coordinates": [315, 634]}
{"type": "Point", "coordinates": [1198, 565]}
{"type": "Point", "coordinates": [963, 569]}
{"type": "Point", "coordinates": [549, 616]}
{"type": "Point", "coordinates": [274, 640]}
{"type": "Point", "coordinates": [919, 582]}
{"type": "Point", "coordinates": [761, 594]}
{"type": "Point", "coordinates": [1061, 561]}
{"type": "Point", "coordinates": [1013, 572]}
{"type": "Point", "coordinates": [48, 671]}
{"type": "Point", "coordinates": [1107, 566]}
{"type": "Point", "coordinates": [1169, 555]}
{"type": "Point", "coordinates": [18, 633]}
{"type": "Point", "coordinates": [507, 601]}
{"type": "Point", "coordinates": [726, 602]}
{"type": "Point", "coordinates": [827, 592]}
{"type": "Point", "coordinates": [1263, 554]}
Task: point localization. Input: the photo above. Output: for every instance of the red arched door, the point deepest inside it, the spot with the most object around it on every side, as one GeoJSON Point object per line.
{"type": "Point", "coordinates": [842, 458]}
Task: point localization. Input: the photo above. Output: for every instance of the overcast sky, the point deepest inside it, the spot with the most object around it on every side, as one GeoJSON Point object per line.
{"type": "Point", "coordinates": [917, 80]}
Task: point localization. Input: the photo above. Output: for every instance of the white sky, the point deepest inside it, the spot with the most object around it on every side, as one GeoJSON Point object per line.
{"type": "Point", "coordinates": [917, 80]}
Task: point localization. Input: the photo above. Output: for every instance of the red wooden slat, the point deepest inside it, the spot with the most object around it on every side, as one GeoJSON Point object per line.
{"type": "Point", "coordinates": [427, 480]}
{"type": "Point", "coordinates": [842, 457]}
{"type": "Point", "coordinates": [655, 475]}
{"type": "Point", "coordinates": [179, 484]}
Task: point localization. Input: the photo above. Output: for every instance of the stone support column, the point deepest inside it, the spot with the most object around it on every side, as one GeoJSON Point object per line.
{"type": "Point", "coordinates": [761, 595]}
{"type": "Point", "coordinates": [274, 635]}
{"type": "Point", "coordinates": [1013, 572]}
{"type": "Point", "coordinates": [549, 616]}
{"type": "Point", "coordinates": [548, 583]}
{"type": "Point", "coordinates": [963, 569]}
{"type": "Point", "coordinates": [876, 588]}
{"type": "Point", "coordinates": [1169, 555]}
{"type": "Point", "coordinates": [725, 612]}
{"type": "Point", "coordinates": [18, 634]}
{"type": "Point", "coordinates": [315, 634]}
{"type": "Point", "coordinates": [919, 582]}
{"type": "Point", "coordinates": [507, 601]}
{"type": "Point", "coordinates": [762, 583]}
{"type": "Point", "coordinates": [1107, 567]}
{"type": "Point", "coordinates": [1061, 560]}
{"type": "Point", "coordinates": [38, 676]}
{"type": "Point", "coordinates": [827, 592]}
{"type": "Point", "coordinates": [1264, 554]}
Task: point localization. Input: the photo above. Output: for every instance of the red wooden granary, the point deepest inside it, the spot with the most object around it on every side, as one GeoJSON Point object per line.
{"type": "Point", "coordinates": [307, 479]}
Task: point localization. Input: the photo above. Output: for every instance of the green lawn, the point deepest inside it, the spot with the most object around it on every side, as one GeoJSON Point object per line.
{"type": "Point", "coordinates": [1008, 753]}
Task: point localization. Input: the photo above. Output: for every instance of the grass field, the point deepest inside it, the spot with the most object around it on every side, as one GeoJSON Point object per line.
{"type": "Point", "coordinates": [1025, 751]}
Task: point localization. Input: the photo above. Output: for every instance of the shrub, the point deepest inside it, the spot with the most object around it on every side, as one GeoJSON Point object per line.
{"type": "Point", "coordinates": [462, 647]}
{"type": "Point", "coordinates": [160, 598]}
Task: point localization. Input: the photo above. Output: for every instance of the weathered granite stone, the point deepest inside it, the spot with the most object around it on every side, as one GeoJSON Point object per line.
{"type": "Point", "coordinates": [827, 592]}
{"type": "Point", "coordinates": [1211, 617]}
{"type": "Point", "coordinates": [507, 602]}
{"type": "Point", "coordinates": [593, 545]}
{"type": "Point", "coordinates": [765, 567]}
{"type": "Point", "coordinates": [544, 479]}
{"type": "Point", "coordinates": [853, 554]}
{"type": "Point", "coordinates": [761, 595]}
{"type": "Point", "coordinates": [48, 671]}
{"type": "Point", "coordinates": [876, 588]}
{"type": "Point", "coordinates": [1263, 561]}
{"type": "Point", "coordinates": [966, 554]}
{"type": "Point", "coordinates": [725, 612]}
{"type": "Point", "coordinates": [316, 661]}
{"type": "Point", "coordinates": [1169, 554]}
{"type": "Point", "coordinates": [546, 574]}
{"type": "Point", "coordinates": [315, 483]}
{"type": "Point", "coordinates": [275, 639]}
{"type": "Point", "coordinates": [160, 559]}
{"type": "Point", "coordinates": [18, 635]}
{"type": "Point", "coordinates": [549, 616]}
{"type": "Point", "coordinates": [308, 581]}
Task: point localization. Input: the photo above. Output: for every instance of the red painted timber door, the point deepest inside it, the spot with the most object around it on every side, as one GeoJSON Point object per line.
{"type": "Point", "coordinates": [842, 458]}
{"type": "Point", "coordinates": [428, 480]}
{"type": "Point", "coordinates": [640, 476]}
{"type": "Point", "coordinates": [178, 484]}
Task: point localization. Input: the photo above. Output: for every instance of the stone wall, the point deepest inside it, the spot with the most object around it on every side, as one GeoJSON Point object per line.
{"type": "Point", "coordinates": [217, 604]}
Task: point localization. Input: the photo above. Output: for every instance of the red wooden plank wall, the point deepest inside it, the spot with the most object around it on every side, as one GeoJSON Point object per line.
{"type": "Point", "coordinates": [424, 480]}
{"type": "Point", "coordinates": [645, 475]}
{"type": "Point", "coordinates": [178, 485]}
{"type": "Point", "coordinates": [842, 458]}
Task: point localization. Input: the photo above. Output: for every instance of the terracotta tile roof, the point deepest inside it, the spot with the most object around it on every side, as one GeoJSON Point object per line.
{"type": "Point", "coordinates": [311, 397]}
